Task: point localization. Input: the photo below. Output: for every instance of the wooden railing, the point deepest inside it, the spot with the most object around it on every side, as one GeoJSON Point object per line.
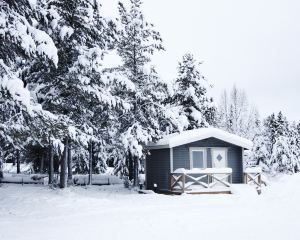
{"type": "Point", "coordinates": [203, 180]}
{"type": "Point", "coordinates": [253, 176]}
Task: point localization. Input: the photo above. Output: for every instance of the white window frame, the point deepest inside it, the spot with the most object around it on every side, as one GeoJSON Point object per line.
{"type": "Point", "coordinates": [199, 149]}
{"type": "Point", "coordinates": [219, 148]}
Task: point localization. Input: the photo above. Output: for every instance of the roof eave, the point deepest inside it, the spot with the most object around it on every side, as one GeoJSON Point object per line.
{"type": "Point", "coordinates": [153, 147]}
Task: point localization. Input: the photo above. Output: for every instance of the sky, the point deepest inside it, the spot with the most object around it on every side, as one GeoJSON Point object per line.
{"type": "Point", "coordinates": [252, 44]}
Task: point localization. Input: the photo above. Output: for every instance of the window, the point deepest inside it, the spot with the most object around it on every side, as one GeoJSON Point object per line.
{"type": "Point", "coordinates": [197, 158]}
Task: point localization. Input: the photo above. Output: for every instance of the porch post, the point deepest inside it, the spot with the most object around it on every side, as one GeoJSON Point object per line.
{"type": "Point", "coordinates": [183, 182]}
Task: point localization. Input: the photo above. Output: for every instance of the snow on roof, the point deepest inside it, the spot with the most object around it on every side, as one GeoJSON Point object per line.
{"type": "Point", "coordinates": [177, 139]}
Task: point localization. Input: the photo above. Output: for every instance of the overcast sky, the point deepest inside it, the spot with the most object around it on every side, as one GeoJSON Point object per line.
{"type": "Point", "coordinates": [254, 44]}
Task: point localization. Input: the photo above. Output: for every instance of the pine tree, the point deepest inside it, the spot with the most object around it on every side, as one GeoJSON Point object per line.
{"type": "Point", "coordinates": [282, 127]}
{"type": "Point", "coordinates": [282, 158]}
{"type": "Point", "coordinates": [294, 143]}
{"type": "Point", "coordinates": [23, 121]}
{"type": "Point", "coordinates": [191, 95]}
{"type": "Point", "coordinates": [137, 42]}
{"type": "Point", "coordinates": [276, 148]}
{"type": "Point", "coordinates": [259, 154]}
{"type": "Point", "coordinates": [270, 125]}
{"type": "Point", "coordinates": [77, 90]}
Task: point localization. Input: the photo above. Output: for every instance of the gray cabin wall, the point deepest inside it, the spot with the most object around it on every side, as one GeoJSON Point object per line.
{"type": "Point", "coordinates": [181, 156]}
{"type": "Point", "coordinates": [235, 161]}
{"type": "Point", "coordinates": [158, 169]}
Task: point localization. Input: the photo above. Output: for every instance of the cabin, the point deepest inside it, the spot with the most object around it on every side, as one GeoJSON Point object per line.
{"type": "Point", "coordinates": [200, 160]}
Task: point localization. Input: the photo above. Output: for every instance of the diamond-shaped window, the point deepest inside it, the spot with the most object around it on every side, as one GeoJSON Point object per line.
{"type": "Point", "coordinates": [219, 157]}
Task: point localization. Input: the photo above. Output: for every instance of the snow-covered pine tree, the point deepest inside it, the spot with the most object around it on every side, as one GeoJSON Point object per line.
{"type": "Point", "coordinates": [263, 144]}
{"type": "Point", "coordinates": [297, 133]}
{"type": "Point", "coordinates": [191, 95]}
{"type": "Point", "coordinates": [294, 143]}
{"type": "Point", "coordinates": [270, 125]}
{"type": "Point", "coordinates": [283, 158]}
{"type": "Point", "coordinates": [282, 128]}
{"type": "Point", "coordinates": [284, 154]}
{"type": "Point", "coordinates": [23, 121]}
{"type": "Point", "coordinates": [259, 154]}
{"type": "Point", "coordinates": [276, 147]}
{"type": "Point", "coordinates": [298, 128]}
{"type": "Point", "coordinates": [137, 42]}
{"type": "Point", "coordinates": [77, 89]}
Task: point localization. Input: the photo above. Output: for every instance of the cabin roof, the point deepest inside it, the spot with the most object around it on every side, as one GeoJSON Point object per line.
{"type": "Point", "coordinates": [177, 139]}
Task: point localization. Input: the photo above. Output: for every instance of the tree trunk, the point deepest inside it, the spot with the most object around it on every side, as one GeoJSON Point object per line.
{"type": "Point", "coordinates": [90, 163]}
{"type": "Point", "coordinates": [130, 167]}
{"type": "Point", "coordinates": [63, 166]}
{"type": "Point", "coordinates": [69, 165]}
{"type": "Point", "coordinates": [136, 171]}
{"type": "Point", "coordinates": [42, 162]}
{"type": "Point", "coordinates": [51, 165]}
{"type": "Point", "coordinates": [18, 162]}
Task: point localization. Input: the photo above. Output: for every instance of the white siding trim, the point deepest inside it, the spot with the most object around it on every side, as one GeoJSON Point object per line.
{"type": "Point", "coordinates": [171, 160]}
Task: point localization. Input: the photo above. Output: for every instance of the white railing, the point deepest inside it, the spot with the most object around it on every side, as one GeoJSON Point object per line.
{"type": "Point", "coordinates": [201, 180]}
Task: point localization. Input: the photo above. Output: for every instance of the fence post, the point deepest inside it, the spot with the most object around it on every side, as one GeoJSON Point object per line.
{"type": "Point", "coordinates": [171, 182]}
{"type": "Point", "coordinates": [208, 184]}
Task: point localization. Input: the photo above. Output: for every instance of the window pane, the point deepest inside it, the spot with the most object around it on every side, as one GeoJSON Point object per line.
{"type": "Point", "coordinates": [198, 159]}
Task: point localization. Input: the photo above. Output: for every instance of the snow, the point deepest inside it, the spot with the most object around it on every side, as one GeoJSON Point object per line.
{"type": "Point", "coordinates": [32, 3]}
{"type": "Point", "coordinates": [65, 31]}
{"type": "Point", "coordinates": [112, 60]}
{"type": "Point", "coordinates": [203, 170]}
{"type": "Point", "coordinates": [142, 178]}
{"type": "Point", "coordinates": [253, 170]}
{"type": "Point", "coordinates": [11, 168]}
{"type": "Point", "coordinates": [16, 87]}
{"type": "Point", "coordinates": [33, 39]}
{"type": "Point", "coordinates": [25, 178]}
{"type": "Point", "coordinates": [78, 179]}
{"type": "Point", "coordinates": [177, 139]}
{"type": "Point", "coordinates": [72, 132]}
{"type": "Point", "coordinates": [32, 212]}
{"type": "Point", "coordinates": [58, 145]}
{"type": "Point", "coordinates": [97, 179]}
{"type": "Point", "coordinates": [196, 115]}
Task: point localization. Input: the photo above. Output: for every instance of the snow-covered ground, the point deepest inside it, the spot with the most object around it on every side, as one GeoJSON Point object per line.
{"type": "Point", "coordinates": [32, 212]}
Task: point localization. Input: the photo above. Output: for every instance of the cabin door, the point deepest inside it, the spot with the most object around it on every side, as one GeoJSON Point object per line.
{"type": "Point", "coordinates": [219, 157]}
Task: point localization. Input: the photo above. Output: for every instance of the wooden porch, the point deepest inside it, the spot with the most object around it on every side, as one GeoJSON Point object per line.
{"type": "Point", "coordinates": [199, 181]}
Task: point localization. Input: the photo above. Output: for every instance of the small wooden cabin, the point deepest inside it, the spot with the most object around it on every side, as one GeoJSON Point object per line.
{"type": "Point", "coordinates": [205, 152]}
